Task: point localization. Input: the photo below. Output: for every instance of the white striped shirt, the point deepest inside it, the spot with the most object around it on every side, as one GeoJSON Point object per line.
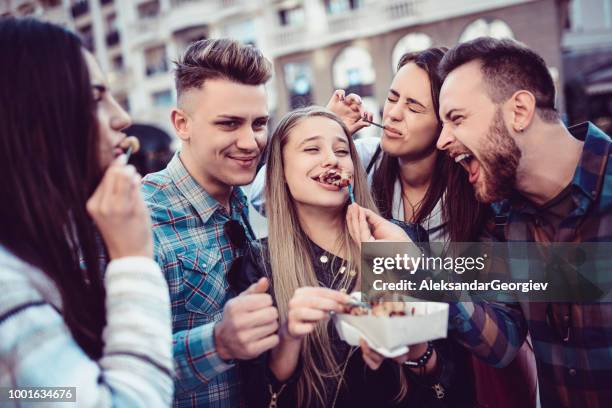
{"type": "Point", "coordinates": [37, 348]}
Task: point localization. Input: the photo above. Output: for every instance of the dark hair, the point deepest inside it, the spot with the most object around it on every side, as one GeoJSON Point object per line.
{"type": "Point", "coordinates": [220, 58]}
{"type": "Point", "coordinates": [507, 66]}
{"type": "Point", "coordinates": [463, 214]}
{"type": "Point", "coordinates": [49, 163]}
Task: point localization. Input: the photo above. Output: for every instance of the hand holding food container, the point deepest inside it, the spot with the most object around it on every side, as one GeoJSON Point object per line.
{"type": "Point", "coordinates": [389, 327]}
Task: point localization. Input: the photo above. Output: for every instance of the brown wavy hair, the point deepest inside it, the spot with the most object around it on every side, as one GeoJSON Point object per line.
{"type": "Point", "coordinates": [286, 236]}
{"type": "Point", "coordinates": [463, 215]}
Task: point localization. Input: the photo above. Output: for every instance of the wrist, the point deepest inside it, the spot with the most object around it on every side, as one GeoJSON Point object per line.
{"type": "Point", "coordinates": [123, 253]}
{"type": "Point", "coordinates": [422, 358]}
{"type": "Point", "coordinates": [417, 351]}
{"type": "Point", "coordinates": [287, 338]}
{"type": "Point", "coordinates": [222, 351]}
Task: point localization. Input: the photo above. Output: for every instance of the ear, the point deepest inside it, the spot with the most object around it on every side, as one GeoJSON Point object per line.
{"type": "Point", "coordinates": [182, 124]}
{"type": "Point", "coordinates": [523, 106]}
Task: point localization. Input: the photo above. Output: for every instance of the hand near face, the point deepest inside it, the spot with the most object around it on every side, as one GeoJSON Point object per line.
{"type": "Point", "coordinates": [350, 109]}
{"type": "Point", "coordinates": [366, 226]}
{"type": "Point", "coordinates": [120, 213]}
{"type": "Point", "coordinates": [249, 324]}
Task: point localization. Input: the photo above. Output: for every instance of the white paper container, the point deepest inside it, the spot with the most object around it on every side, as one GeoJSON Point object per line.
{"type": "Point", "coordinates": [390, 335]}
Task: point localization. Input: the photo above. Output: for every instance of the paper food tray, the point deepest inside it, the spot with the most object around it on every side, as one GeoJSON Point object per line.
{"type": "Point", "coordinates": [390, 335]}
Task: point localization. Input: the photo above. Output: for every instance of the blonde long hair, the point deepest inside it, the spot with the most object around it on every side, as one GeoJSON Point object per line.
{"type": "Point", "coordinates": [286, 236]}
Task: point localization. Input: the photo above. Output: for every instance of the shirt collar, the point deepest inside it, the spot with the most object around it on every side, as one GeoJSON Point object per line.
{"type": "Point", "coordinates": [590, 172]}
{"type": "Point", "coordinates": [204, 204]}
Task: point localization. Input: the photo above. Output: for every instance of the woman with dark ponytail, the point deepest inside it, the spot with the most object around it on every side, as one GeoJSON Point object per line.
{"type": "Point", "coordinates": [83, 303]}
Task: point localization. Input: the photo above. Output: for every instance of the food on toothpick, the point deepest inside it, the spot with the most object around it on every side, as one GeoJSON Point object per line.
{"type": "Point", "coordinates": [335, 177]}
{"type": "Point", "coordinates": [130, 142]}
{"type": "Point", "coordinates": [380, 309]}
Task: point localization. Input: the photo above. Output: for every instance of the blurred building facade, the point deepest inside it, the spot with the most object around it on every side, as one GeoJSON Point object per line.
{"type": "Point", "coordinates": [316, 45]}
{"type": "Point", "coordinates": [587, 58]}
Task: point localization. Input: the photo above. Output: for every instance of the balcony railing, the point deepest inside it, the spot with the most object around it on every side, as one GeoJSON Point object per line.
{"type": "Point", "coordinates": [372, 18]}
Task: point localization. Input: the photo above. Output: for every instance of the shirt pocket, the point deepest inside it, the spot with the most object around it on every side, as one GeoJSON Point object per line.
{"type": "Point", "coordinates": [204, 282]}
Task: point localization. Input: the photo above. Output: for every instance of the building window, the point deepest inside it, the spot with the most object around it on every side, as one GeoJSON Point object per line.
{"type": "Point", "coordinates": [123, 101]}
{"type": "Point", "coordinates": [342, 6]}
{"type": "Point", "coordinates": [86, 34]}
{"type": "Point", "coordinates": [117, 63]}
{"type": "Point", "coordinates": [51, 3]}
{"type": "Point", "coordinates": [150, 9]}
{"type": "Point", "coordinates": [112, 36]}
{"type": "Point", "coordinates": [155, 60]}
{"type": "Point", "coordinates": [162, 99]}
{"type": "Point", "coordinates": [412, 42]}
{"type": "Point", "coordinates": [243, 31]}
{"type": "Point", "coordinates": [26, 9]}
{"type": "Point", "coordinates": [187, 36]}
{"type": "Point", "coordinates": [79, 8]}
{"type": "Point", "coordinates": [111, 22]}
{"type": "Point", "coordinates": [294, 16]}
{"type": "Point", "coordinates": [353, 71]}
{"type": "Point", "coordinates": [486, 27]}
{"type": "Point", "coordinates": [298, 80]}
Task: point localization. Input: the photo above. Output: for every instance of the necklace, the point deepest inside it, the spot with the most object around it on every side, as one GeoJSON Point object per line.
{"type": "Point", "coordinates": [348, 357]}
{"type": "Point", "coordinates": [413, 207]}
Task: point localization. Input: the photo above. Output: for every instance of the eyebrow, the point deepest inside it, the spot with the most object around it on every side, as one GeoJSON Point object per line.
{"type": "Point", "coordinates": [450, 113]}
{"type": "Point", "coordinates": [317, 137]}
{"type": "Point", "coordinates": [240, 118]}
{"type": "Point", "coordinates": [408, 100]}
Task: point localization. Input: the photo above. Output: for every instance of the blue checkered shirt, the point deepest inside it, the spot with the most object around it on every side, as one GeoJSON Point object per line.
{"type": "Point", "coordinates": [195, 256]}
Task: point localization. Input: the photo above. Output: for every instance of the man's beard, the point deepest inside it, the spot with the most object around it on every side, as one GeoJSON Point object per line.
{"type": "Point", "coordinates": [499, 159]}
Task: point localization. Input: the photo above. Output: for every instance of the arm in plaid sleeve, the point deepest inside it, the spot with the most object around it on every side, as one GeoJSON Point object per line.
{"type": "Point", "coordinates": [494, 332]}
{"type": "Point", "coordinates": [196, 360]}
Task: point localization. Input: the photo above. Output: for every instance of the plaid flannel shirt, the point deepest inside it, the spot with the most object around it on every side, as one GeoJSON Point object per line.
{"type": "Point", "coordinates": [195, 256]}
{"type": "Point", "coordinates": [572, 342]}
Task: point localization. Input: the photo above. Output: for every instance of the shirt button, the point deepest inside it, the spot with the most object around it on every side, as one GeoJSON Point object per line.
{"type": "Point", "coordinates": [324, 258]}
{"type": "Point", "coordinates": [352, 272]}
{"type": "Point", "coordinates": [572, 372]}
{"type": "Point", "coordinates": [342, 269]}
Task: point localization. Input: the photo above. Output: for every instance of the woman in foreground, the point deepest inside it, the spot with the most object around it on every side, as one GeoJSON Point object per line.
{"type": "Point", "coordinates": [70, 204]}
{"type": "Point", "coordinates": [307, 219]}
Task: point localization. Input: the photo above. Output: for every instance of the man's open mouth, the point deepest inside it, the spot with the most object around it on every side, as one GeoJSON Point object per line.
{"type": "Point", "coordinates": [470, 164]}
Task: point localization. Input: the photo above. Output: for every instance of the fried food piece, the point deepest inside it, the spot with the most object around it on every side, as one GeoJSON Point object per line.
{"type": "Point", "coordinates": [380, 309]}
{"type": "Point", "coordinates": [340, 178]}
{"type": "Point", "coordinates": [130, 141]}
{"type": "Point", "coordinates": [384, 309]}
